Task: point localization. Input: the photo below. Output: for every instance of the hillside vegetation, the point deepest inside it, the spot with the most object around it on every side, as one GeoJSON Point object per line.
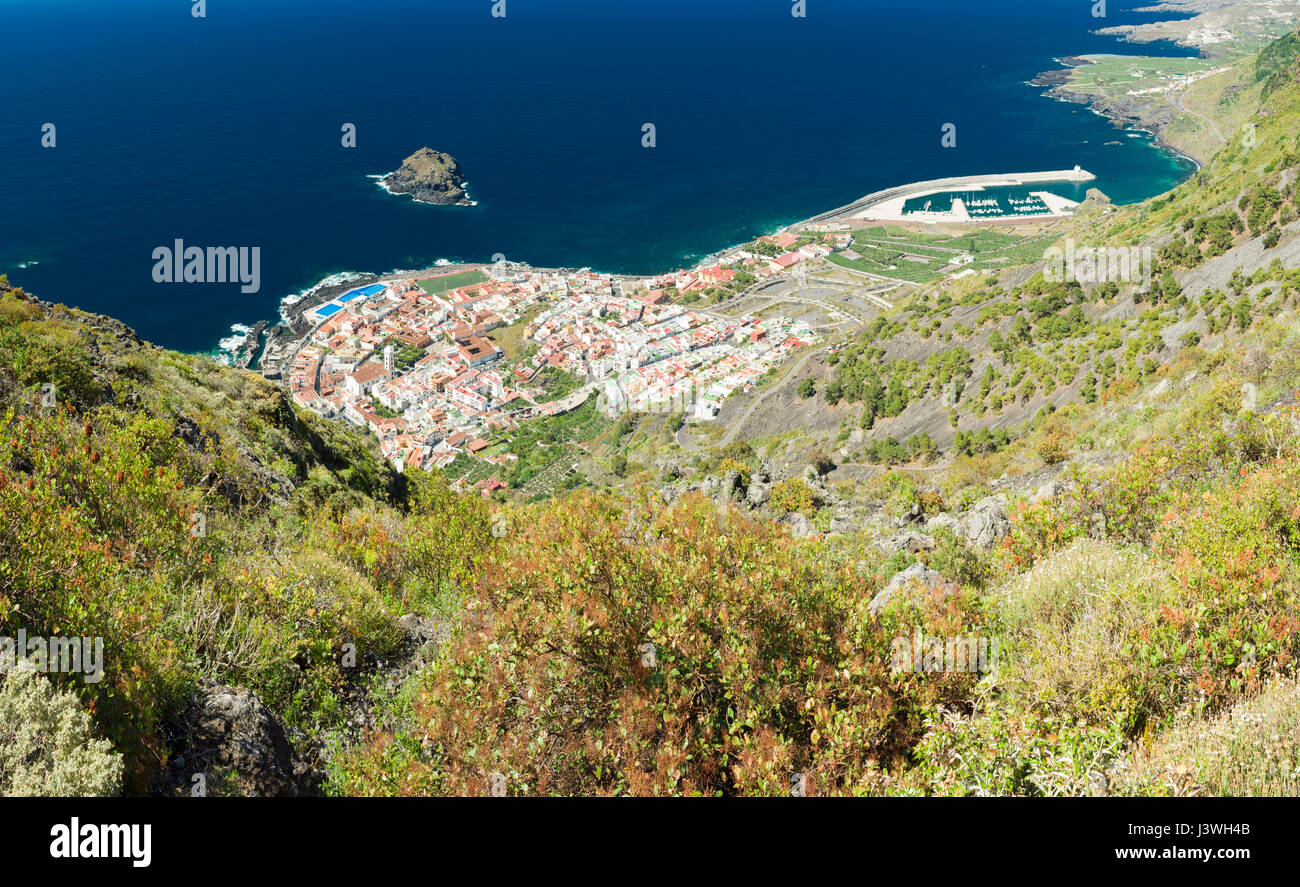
{"type": "Point", "coordinates": [1143, 611]}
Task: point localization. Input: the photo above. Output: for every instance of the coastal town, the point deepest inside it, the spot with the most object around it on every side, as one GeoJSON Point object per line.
{"type": "Point", "coordinates": [415, 359]}
{"type": "Point", "coordinates": [446, 366]}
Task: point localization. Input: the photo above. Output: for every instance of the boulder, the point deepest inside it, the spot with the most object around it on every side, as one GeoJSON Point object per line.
{"type": "Point", "coordinates": [944, 521]}
{"type": "Point", "coordinates": [987, 522]}
{"type": "Point", "coordinates": [1163, 385]}
{"type": "Point", "coordinates": [228, 728]}
{"type": "Point", "coordinates": [757, 494]}
{"type": "Point", "coordinates": [708, 485]}
{"type": "Point", "coordinates": [909, 541]}
{"type": "Point", "coordinates": [800, 526]}
{"type": "Point", "coordinates": [1049, 490]}
{"type": "Point", "coordinates": [420, 629]}
{"type": "Point", "coordinates": [195, 436]}
{"type": "Point", "coordinates": [917, 576]}
{"type": "Point", "coordinates": [818, 487]}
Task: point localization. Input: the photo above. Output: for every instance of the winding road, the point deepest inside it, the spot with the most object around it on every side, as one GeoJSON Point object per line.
{"type": "Point", "coordinates": [1178, 103]}
{"type": "Point", "coordinates": [749, 411]}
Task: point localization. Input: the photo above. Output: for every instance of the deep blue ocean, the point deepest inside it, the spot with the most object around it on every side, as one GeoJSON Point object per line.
{"type": "Point", "coordinates": [226, 131]}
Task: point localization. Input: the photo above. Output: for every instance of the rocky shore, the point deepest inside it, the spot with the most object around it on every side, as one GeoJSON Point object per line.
{"type": "Point", "coordinates": [1060, 76]}
{"type": "Point", "coordinates": [1153, 113]}
{"type": "Point", "coordinates": [283, 339]}
{"type": "Point", "coordinates": [247, 350]}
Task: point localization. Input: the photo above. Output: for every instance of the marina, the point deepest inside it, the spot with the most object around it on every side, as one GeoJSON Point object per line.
{"type": "Point", "coordinates": [981, 204]}
{"type": "Point", "coordinates": [980, 198]}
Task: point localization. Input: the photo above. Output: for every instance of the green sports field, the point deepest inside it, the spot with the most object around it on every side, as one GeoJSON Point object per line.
{"type": "Point", "coordinates": [439, 285]}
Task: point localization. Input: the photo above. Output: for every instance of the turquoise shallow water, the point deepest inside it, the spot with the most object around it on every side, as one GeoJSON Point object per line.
{"type": "Point", "coordinates": [226, 131]}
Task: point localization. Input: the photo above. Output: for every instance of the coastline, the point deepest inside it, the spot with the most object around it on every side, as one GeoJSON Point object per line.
{"type": "Point", "coordinates": [252, 352]}
{"type": "Point", "coordinates": [1129, 116]}
{"type": "Point", "coordinates": [465, 201]}
{"type": "Point", "coordinates": [245, 346]}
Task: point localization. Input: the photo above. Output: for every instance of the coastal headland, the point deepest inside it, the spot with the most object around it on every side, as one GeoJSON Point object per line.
{"type": "Point", "coordinates": [1190, 104]}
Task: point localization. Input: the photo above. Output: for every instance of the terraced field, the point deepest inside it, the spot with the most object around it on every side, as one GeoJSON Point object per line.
{"type": "Point", "coordinates": [920, 257]}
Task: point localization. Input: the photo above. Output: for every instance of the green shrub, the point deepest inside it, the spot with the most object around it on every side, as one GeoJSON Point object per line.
{"type": "Point", "coordinates": [793, 495]}
{"type": "Point", "coordinates": [703, 653]}
{"type": "Point", "coordinates": [996, 752]}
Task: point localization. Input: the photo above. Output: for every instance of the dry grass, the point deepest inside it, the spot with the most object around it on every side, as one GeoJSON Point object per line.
{"type": "Point", "coordinates": [1252, 749]}
{"type": "Point", "coordinates": [1072, 628]}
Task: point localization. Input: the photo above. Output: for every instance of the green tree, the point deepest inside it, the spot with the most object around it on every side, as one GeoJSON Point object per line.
{"type": "Point", "coordinates": [1242, 313]}
{"type": "Point", "coordinates": [833, 392]}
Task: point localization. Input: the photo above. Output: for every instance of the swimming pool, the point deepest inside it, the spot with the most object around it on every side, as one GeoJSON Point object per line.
{"type": "Point", "coordinates": [364, 292]}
